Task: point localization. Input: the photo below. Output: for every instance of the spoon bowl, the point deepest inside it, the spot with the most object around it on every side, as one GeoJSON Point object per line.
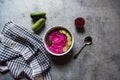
{"type": "Point", "coordinates": [88, 40]}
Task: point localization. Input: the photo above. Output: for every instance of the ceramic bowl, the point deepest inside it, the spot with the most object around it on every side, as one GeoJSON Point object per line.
{"type": "Point", "coordinates": [53, 29]}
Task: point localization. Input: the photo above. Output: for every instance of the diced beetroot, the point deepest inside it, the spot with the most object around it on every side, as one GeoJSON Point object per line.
{"type": "Point", "coordinates": [79, 22]}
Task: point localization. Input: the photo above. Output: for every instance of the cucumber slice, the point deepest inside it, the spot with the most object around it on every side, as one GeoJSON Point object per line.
{"type": "Point", "coordinates": [60, 31]}
{"type": "Point", "coordinates": [65, 48]}
{"type": "Point", "coordinates": [68, 37]}
{"type": "Point", "coordinates": [69, 43]}
{"type": "Point", "coordinates": [64, 32]}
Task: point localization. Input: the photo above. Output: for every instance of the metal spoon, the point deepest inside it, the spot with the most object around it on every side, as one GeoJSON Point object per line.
{"type": "Point", "coordinates": [87, 41]}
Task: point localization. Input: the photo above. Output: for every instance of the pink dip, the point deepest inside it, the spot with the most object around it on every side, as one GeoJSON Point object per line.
{"type": "Point", "coordinates": [58, 42]}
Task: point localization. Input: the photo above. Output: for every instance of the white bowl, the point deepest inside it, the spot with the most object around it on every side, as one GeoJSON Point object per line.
{"type": "Point", "coordinates": [58, 27]}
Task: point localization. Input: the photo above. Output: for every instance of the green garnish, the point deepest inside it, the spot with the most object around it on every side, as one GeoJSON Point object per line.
{"type": "Point", "coordinates": [49, 42]}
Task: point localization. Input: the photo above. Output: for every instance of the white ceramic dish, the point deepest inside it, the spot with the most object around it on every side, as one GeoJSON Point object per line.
{"type": "Point", "coordinates": [58, 27]}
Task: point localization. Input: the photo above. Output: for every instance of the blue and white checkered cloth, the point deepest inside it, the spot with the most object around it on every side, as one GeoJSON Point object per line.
{"type": "Point", "coordinates": [24, 53]}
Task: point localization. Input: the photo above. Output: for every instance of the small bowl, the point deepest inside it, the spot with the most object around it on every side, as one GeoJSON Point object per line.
{"type": "Point", "coordinates": [54, 28]}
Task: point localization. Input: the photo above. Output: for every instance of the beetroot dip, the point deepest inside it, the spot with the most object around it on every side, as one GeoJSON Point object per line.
{"type": "Point", "coordinates": [58, 41]}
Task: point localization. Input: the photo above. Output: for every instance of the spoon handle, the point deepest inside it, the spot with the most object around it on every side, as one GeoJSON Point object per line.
{"type": "Point", "coordinates": [76, 55]}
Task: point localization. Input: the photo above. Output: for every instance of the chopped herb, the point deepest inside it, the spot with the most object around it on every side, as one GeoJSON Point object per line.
{"type": "Point", "coordinates": [49, 42]}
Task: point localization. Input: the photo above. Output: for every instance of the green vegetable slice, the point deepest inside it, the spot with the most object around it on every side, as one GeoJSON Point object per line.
{"type": "Point", "coordinates": [64, 31]}
{"type": "Point", "coordinates": [68, 37]}
{"type": "Point", "coordinates": [69, 43]}
{"type": "Point", "coordinates": [65, 48]}
{"type": "Point", "coordinates": [60, 31]}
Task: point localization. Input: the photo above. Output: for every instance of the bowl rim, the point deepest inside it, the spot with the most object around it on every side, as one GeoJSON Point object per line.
{"type": "Point", "coordinates": [57, 27]}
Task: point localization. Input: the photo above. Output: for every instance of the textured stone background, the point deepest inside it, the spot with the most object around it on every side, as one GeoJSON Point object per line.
{"type": "Point", "coordinates": [99, 61]}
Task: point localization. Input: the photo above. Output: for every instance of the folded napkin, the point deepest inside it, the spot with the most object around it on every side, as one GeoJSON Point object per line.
{"type": "Point", "coordinates": [24, 53]}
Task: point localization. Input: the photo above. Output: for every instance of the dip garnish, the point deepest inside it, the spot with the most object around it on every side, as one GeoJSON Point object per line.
{"type": "Point", "coordinates": [49, 42]}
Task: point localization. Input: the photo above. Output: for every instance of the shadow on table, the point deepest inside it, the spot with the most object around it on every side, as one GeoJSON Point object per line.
{"type": "Point", "coordinates": [41, 30]}
{"type": "Point", "coordinates": [80, 30]}
{"type": "Point", "coordinates": [62, 60]}
{"type": "Point", "coordinates": [3, 64]}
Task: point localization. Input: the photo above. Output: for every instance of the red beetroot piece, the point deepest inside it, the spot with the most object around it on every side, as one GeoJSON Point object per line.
{"type": "Point", "coordinates": [79, 22]}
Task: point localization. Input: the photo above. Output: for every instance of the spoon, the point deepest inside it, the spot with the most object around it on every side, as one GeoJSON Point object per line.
{"type": "Point", "coordinates": [87, 41]}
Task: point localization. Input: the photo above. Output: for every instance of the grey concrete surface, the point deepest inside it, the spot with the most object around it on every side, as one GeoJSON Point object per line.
{"type": "Point", "coordinates": [99, 61]}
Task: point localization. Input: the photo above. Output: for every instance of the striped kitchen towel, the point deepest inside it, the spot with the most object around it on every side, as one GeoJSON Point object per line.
{"type": "Point", "coordinates": [24, 53]}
